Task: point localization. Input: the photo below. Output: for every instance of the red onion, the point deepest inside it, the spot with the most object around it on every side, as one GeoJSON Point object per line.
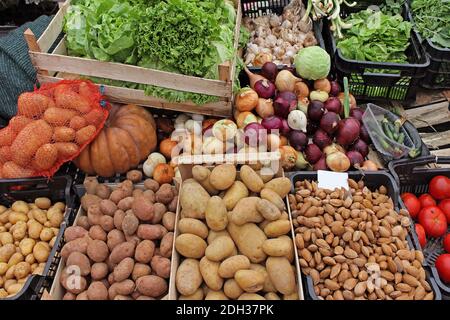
{"type": "Point", "coordinates": [265, 89]}
{"type": "Point", "coordinates": [313, 153]}
{"type": "Point", "coordinates": [298, 140]}
{"type": "Point", "coordinates": [333, 104]}
{"type": "Point", "coordinates": [254, 134]}
{"type": "Point", "coordinates": [335, 88]}
{"type": "Point", "coordinates": [361, 147]}
{"type": "Point", "coordinates": [272, 123]}
{"type": "Point", "coordinates": [284, 127]}
{"type": "Point", "coordinates": [315, 110]}
{"type": "Point", "coordinates": [348, 131]}
{"type": "Point", "coordinates": [269, 70]}
{"type": "Point", "coordinates": [284, 103]}
{"type": "Point", "coordinates": [356, 113]}
{"type": "Point", "coordinates": [321, 164]}
{"type": "Point", "coordinates": [356, 159]}
{"type": "Point", "coordinates": [311, 127]}
{"type": "Point", "coordinates": [364, 134]}
{"type": "Point", "coordinates": [321, 139]}
{"type": "Point", "coordinates": [329, 122]}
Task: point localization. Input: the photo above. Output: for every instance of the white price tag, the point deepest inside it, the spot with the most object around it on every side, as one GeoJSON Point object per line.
{"type": "Point", "coordinates": [331, 180]}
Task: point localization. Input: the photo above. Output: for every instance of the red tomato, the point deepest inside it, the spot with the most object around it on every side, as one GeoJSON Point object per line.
{"type": "Point", "coordinates": [433, 221]}
{"type": "Point", "coordinates": [447, 243]}
{"type": "Point", "coordinates": [444, 205]}
{"type": "Point", "coordinates": [412, 204]}
{"type": "Point", "coordinates": [443, 267]}
{"type": "Point", "coordinates": [426, 200]}
{"type": "Point", "coordinates": [439, 187]}
{"type": "Point", "coordinates": [421, 235]}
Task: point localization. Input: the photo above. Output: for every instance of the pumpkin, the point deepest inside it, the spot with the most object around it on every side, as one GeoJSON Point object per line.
{"type": "Point", "coordinates": [128, 137]}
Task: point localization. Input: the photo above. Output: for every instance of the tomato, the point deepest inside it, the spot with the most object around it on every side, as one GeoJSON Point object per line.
{"type": "Point", "coordinates": [443, 267]}
{"type": "Point", "coordinates": [447, 243]}
{"type": "Point", "coordinates": [439, 187]}
{"type": "Point", "coordinates": [426, 200]}
{"type": "Point", "coordinates": [433, 221]}
{"type": "Point", "coordinates": [444, 205]}
{"type": "Point", "coordinates": [412, 204]}
{"type": "Point", "coordinates": [421, 235]}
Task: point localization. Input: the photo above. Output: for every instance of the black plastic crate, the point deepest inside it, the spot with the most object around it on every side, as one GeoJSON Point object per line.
{"type": "Point", "coordinates": [372, 180]}
{"type": "Point", "coordinates": [57, 189]}
{"type": "Point", "coordinates": [367, 85]}
{"type": "Point", "coordinates": [412, 176]}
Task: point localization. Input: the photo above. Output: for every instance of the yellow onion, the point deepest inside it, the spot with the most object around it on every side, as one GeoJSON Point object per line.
{"type": "Point", "coordinates": [262, 58]}
{"type": "Point", "coordinates": [246, 99]}
{"type": "Point", "coordinates": [338, 161]}
{"type": "Point", "coordinates": [286, 81]}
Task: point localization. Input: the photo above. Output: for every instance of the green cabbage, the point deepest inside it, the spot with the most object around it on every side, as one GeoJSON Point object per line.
{"type": "Point", "coordinates": [312, 63]}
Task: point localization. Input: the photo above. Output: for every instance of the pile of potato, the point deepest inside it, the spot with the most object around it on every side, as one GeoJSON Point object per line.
{"type": "Point", "coordinates": [121, 248]}
{"type": "Point", "coordinates": [354, 247]}
{"type": "Point", "coordinates": [28, 232]}
{"type": "Point", "coordinates": [234, 236]}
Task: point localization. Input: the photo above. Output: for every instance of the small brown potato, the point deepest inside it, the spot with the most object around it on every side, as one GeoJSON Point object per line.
{"type": "Point", "coordinates": [271, 296]}
{"type": "Point", "coordinates": [124, 269]}
{"type": "Point", "coordinates": [99, 271]}
{"type": "Point", "coordinates": [140, 270]}
{"type": "Point", "coordinates": [114, 238]}
{"type": "Point", "coordinates": [190, 245]}
{"type": "Point", "coordinates": [94, 214]}
{"type": "Point", "coordinates": [121, 251]}
{"type": "Point", "coordinates": [201, 174]}
{"type": "Point", "coordinates": [20, 206]}
{"type": "Point", "coordinates": [46, 234]}
{"type": "Point", "coordinates": [216, 214]}
{"type": "Point", "coordinates": [137, 193]}
{"type": "Point", "coordinates": [277, 228]}
{"type": "Point", "coordinates": [245, 211]}
{"type": "Point", "coordinates": [151, 232]}
{"type": "Point", "coordinates": [172, 206]}
{"type": "Point", "coordinates": [223, 176]}
{"type": "Point", "coordinates": [220, 249]}
{"type": "Point", "coordinates": [278, 247]}
{"type": "Point", "coordinates": [4, 294]}
{"type": "Point", "coordinates": [107, 223]}
{"type": "Point", "coordinates": [15, 288]}
{"type": "Point", "coordinates": [188, 278]}
{"type": "Point", "coordinates": [134, 175]}
{"type": "Point", "coordinates": [97, 233]}
{"type": "Point", "coordinates": [144, 251]}
{"type": "Point", "coordinates": [125, 204]}
{"type": "Point", "coordinates": [273, 197]}
{"type": "Point", "coordinates": [69, 296]}
{"type": "Point", "coordinates": [284, 216]}
{"type": "Point", "coordinates": [151, 286]}
{"type": "Point", "coordinates": [231, 265]}
{"type": "Point", "coordinates": [193, 199]}
{"type": "Point", "coordinates": [72, 282]}
{"type": "Point", "coordinates": [197, 295]}
{"type": "Point", "coordinates": [232, 289]}
{"type": "Point", "coordinates": [90, 184]}
{"type": "Point", "coordinates": [150, 195]}
{"type": "Point", "coordinates": [160, 210]}
{"type": "Point", "coordinates": [88, 200]}
{"type": "Point", "coordinates": [56, 219]}
{"type": "Point", "coordinates": [97, 291]}
{"type": "Point", "coordinates": [251, 179]}
{"type": "Point", "coordinates": [281, 274]}
{"type": "Point", "coordinates": [15, 217]}
{"type": "Point", "coordinates": [74, 232]}
{"type": "Point", "coordinates": [130, 224]}
{"type": "Point", "coordinates": [39, 215]}
{"type": "Point", "coordinates": [6, 237]}
{"type": "Point", "coordinates": [193, 226]}
{"type": "Point", "coordinates": [79, 245]}
{"type": "Point", "coordinates": [122, 297]}
{"type": "Point", "coordinates": [6, 252]}
{"type": "Point", "coordinates": [282, 186]}
{"type": "Point", "coordinates": [3, 268]}
{"type": "Point", "coordinates": [151, 184]}
{"type": "Point", "coordinates": [268, 210]}
{"type": "Point", "coordinates": [30, 259]}
{"type": "Point", "coordinates": [63, 134]}
{"type": "Point", "coordinates": [102, 191]}
{"type": "Point", "coordinates": [34, 229]}
{"type": "Point", "coordinates": [165, 193]}
{"type": "Point", "coordinates": [21, 270]}
{"type": "Point", "coordinates": [161, 266]}
{"type": "Point", "coordinates": [82, 296]}
{"type": "Point", "coordinates": [249, 280]}
{"type": "Point", "coordinates": [235, 193]}
{"type": "Point", "coordinates": [117, 195]}
{"type": "Point", "coordinates": [216, 295]}
{"type": "Point", "coordinates": [168, 221]}
{"type": "Point", "coordinates": [166, 244]}
{"type": "Point", "coordinates": [39, 270]}
{"type": "Point", "coordinates": [97, 250]}
{"type": "Point", "coordinates": [81, 261]}
{"type": "Point", "coordinates": [108, 207]}
{"type": "Point", "coordinates": [41, 251]}
{"type": "Point", "coordinates": [266, 174]}
{"type": "Point", "coordinates": [126, 287]}
{"type": "Point", "coordinates": [249, 239]}
{"type": "Point", "coordinates": [19, 230]}
{"type": "Point", "coordinates": [210, 273]}
{"type": "Point", "coordinates": [143, 208]}
{"type": "Point", "coordinates": [118, 219]}
{"type": "Point", "coordinates": [251, 296]}
{"type": "Point", "coordinates": [83, 222]}
{"type": "Point", "coordinates": [292, 296]}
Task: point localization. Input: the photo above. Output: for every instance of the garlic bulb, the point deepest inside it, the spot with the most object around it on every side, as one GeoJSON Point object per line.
{"type": "Point", "coordinates": [275, 20]}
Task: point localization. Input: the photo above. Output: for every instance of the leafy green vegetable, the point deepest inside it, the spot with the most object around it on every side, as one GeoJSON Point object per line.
{"type": "Point", "coordinates": [392, 7]}
{"type": "Point", "coordinates": [432, 19]}
{"type": "Point", "coordinates": [375, 36]}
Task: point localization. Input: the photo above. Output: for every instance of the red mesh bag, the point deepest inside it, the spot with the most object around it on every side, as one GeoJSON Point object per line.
{"type": "Point", "coordinates": [53, 125]}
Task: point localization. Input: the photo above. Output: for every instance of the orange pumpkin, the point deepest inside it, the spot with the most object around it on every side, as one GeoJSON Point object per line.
{"type": "Point", "coordinates": [128, 137]}
{"type": "Point", "coordinates": [166, 146]}
{"type": "Point", "coordinates": [163, 173]}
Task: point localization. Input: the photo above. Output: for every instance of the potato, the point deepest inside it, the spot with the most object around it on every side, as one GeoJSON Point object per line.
{"type": "Point", "coordinates": [56, 219]}
{"type": "Point", "coordinates": [118, 218]}
{"type": "Point", "coordinates": [220, 249]}
{"type": "Point", "coordinates": [210, 273]}
{"type": "Point", "coordinates": [251, 296]}
{"type": "Point", "coordinates": [107, 223]}
{"type": "Point", "coordinates": [125, 204]}
{"type": "Point", "coordinates": [69, 296]}
{"type": "Point", "coordinates": [6, 237]}
{"type": "Point", "coordinates": [282, 186]}
{"type": "Point", "coordinates": [130, 224]}
{"type": "Point", "coordinates": [266, 173]}
{"type": "Point", "coordinates": [26, 246]}
{"type": "Point", "coordinates": [6, 252]}
{"type": "Point", "coordinates": [108, 207]}
{"type": "Point", "coordinates": [151, 286]}
{"type": "Point", "coordinates": [114, 238]}
{"type": "Point", "coordinates": [165, 194]}
{"type": "Point", "coordinates": [151, 184]}
{"type": "Point", "coordinates": [236, 192]}
{"type": "Point", "coordinates": [223, 176]}
{"type": "Point", "coordinates": [193, 226]}
{"type": "Point", "coordinates": [97, 233]}
{"type": "Point", "coordinates": [143, 208]}
{"type": "Point", "coordinates": [268, 285]}
{"type": "Point", "coordinates": [249, 280]}
{"type": "Point", "coordinates": [201, 174]}
{"type": "Point", "coordinates": [216, 295]}
{"type": "Point", "coordinates": [190, 246]}
{"type": "Point", "coordinates": [134, 176]}
{"type": "Point", "coordinates": [46, 234]}
{"type": "Point", "coordinates": [99, 271]}
{"type": "Point", "coordinates": [102, 191]}
{"type": "Point", "coordinates": [150, 195]}
{"type": "Point", "coordinates": [81, 261]}
{"type": "Point", "coordinates": [173, 205]}
{"type": "Point", "coordinates": [15, 217]}
{"type": "Point", "coordinates": [83, 222]}
{"type": "Point", "coordinates": [251, 179]}
{"type": "Point", "coordinates": [144, 251]}
{"type": "Point", "coordinates": [249, 239]}
{"type": "Point", "coordinates": [197, 295]}
{"type": "Point", "coordinates": [72, 282]}
{"type": "Point", "coordinates": [4, 294]}
{"type": "Point", "coordinates": [20, 206]}
{"type": "Point", "coordinates": [123, 270]}
{"type": "Point", "coordinates": [39, 215]}
{"type": "Point", "coordinates": [126, 287]}
{"type": "Point", "coordinates": [3, 268]}
{"type": "Point", "coordinates": [193, 199]}
{"type": "Point", "coordinates": [268, 210]}
{"type": "Point", "coordinates": [271, 296]}
{"type": "Point", "coordinates": [277, 228]}
{"type": "Point", "coordinates": [231, 289]}
{"type": "Point", "coordinates": [168, 221]}
{"type": "Point", "coordinates": [188, 278]}
{"type": "Point", "coordinates": [159, 209]}
{"type": "Point", "coordinates": [30, 258]}
{"type": "Point", "coordinates": [292, 296]}
{"type": "Point", "coordinates": [15, 288]}
{"type": "Point", "coordinates": [97, 291]}
{"type": "Point", "coordinates": [90, 183]}
{"type": "Point", "coordinates": [97, 250]}
{"type": "Point", "coordinates": [34, 229]}
{"type": "Point", "coordinates": [122, 251]}
{"type": "Point", "coordinates": [21, 270]}
{"type": "Point", "coordinates": [161, 266]}
{"type": "Point", "coordinates": [41, 251]}
{"type": "Point", "coordinates": [88, 200]}
{"type": "Point", "coordinates": [216, 214]}
{"type": "Point", "coordinates": [166, 244]}
{"type": "Point", "coordinates": [231, 265]}
{"type": "Point", "coordinates": [94, 214]}
{"type": "Point", "coordinates": [140, 270]}
{"type": "Point", "coordinates": [19, 230]}
{"type": "Point", "coordinates": [151, 232]}
{"type": "Point", "coordinates": [281, 274]}
{"type": "Point", "coordinates": [245, 211]}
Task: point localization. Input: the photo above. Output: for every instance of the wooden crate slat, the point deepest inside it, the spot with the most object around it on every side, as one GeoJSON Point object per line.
{"type": "Point", "coordinates": [436, 139]}
{"type": "Point", "coordinates": [441, 152]}
{"type": "Point", "coordinates": [54, 28]}
{"type": "Point", "coordinates": [428, 115]}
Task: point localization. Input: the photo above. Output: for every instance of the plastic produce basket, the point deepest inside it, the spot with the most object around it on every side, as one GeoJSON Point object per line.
{"type": "Point", "coordinates": [57, 189]}
{"type": "Point", "coordinates": [412, 177]}
{"type": "Point", "coordinates": [372, 120]}
{"type": "Point", "coordinates": [365, 83]}
{"type": "Point", "coordinates": [371, 180]}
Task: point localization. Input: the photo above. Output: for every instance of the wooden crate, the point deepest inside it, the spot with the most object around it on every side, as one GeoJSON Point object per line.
{"type": "Point", "coordinates": [56, 65]}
